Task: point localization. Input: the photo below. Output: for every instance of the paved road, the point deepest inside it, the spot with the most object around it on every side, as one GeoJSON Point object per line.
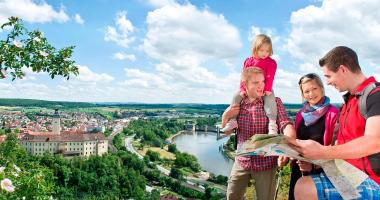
{"type": "Point", "coordinates": [116, 130]}
{"type": "Point", "coordinates": [129, 146]}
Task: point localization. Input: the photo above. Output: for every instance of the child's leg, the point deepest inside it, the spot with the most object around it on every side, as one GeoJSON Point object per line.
{"type": "Point", "coordinates": [270, 107]}
{"type": "Point", "coordinates": [236, 99]}
{"type": "Point", "coordinates": [231, 123]}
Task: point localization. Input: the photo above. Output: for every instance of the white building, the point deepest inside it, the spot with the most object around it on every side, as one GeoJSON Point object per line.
{"type": "Point", "coordinates": [67, 143]}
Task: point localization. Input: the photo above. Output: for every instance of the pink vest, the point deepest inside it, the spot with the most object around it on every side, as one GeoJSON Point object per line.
{"type": "Point", "coordinates": [331, 118]}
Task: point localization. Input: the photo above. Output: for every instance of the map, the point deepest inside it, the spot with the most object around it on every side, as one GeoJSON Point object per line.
{"type": "Point", "coordinates": [345, 177]}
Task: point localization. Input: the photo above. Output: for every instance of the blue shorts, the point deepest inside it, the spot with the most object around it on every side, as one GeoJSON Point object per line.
{"type": "Point", "coordinates": [369, 189]}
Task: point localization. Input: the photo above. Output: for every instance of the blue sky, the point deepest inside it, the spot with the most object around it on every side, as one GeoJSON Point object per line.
{"type": "Point", "coordinates": [167, 51]}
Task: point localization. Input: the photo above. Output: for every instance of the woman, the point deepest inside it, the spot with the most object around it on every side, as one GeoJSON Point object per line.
{"type": "Point", "coordinates": [315, 120]}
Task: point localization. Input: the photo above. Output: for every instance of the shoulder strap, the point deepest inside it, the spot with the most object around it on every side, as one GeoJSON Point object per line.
{"type": "Point", "coordinates": [363, 95]}
{"type": "Point", "coordinates": [336, 128]}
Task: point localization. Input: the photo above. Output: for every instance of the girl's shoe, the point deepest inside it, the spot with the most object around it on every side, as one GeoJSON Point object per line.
{"type": "Point", "coordinates": [231, 125]}
{"type": "Point", "coordinates": [272, 126]}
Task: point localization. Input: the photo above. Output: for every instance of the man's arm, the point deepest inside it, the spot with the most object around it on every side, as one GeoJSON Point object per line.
{"type": "Point", "coordinates": [283, 121]}
{"type": "Point", "coordinates": [290, 131]}
{"type": "Point", "coordinates": [287, 128]}
{"type": "Point", "coordinates": [366, 145]}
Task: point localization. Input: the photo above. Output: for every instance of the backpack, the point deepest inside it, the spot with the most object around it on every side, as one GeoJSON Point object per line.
{"type": "Point", "coordinates": [362, 104]}
{"type": "Point", "coordinates": [363, 95]}
{"type": "Point", "coordinates": [373, 159]}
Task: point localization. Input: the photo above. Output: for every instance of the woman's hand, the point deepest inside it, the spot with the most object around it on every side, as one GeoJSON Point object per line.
{"type": "Point", "coordinates": [282, 161]}
{"type": "Point", "coordinates": [305, 166]}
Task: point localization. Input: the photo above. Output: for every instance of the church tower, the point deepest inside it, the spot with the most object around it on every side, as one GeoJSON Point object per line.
{"type": "Point", "coordinates": [56, 123]}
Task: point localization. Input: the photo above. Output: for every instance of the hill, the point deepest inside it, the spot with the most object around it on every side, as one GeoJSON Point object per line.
{"type": "Point", "coordinates": [42, 103]}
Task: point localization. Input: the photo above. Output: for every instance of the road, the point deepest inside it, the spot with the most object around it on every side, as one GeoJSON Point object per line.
{"type": "Point", "coordinates": [129, 146]}
{"type": "Point", "coordinates": [116, 130]}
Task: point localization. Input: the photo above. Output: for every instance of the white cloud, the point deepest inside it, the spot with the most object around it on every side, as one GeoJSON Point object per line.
{"type": "Point", "coordinates": [182, 42]}
{"type": "Point", "coordinates": [23, 89]}
{"type": "Point", "coordinates": [271, 32]}
{"type": "Point", "coordinates": [353, 23]}
{"type": "Point", "coordinates": [140, 79]}
{"type": "Point", "coordinates": [5, 87]}
{"type": "Point", "coordinates": [161, 3]}
{"type": "Point", "coordinates": [29, 72]}
{"type": "Point", "coordinates": [285, 86]}
{"type": "Point", "coordinates": [78, 19]}
{"type": "Point", "coordinates": [121, 34]}
{"type": "Point", "coordinates": [184, 36]}
{"type": "Point", "coordinates": [181, 39]}
{"type": "Point", "coordinates": [309, 67]}
{"type": "Point", "coordinates": [31, 11]}
{"type": "Point", "coordinates": [155, 87]}
{"type": "Point", "coordinates": [123, 56]}
{"type": "Point", "coordinates": [86, 75]}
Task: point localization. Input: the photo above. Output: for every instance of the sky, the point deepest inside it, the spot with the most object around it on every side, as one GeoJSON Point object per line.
{"type": "Point", "coordinates": [168, 51]}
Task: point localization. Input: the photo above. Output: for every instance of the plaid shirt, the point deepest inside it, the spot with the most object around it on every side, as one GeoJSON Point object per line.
{"type": "Point", "coordinates": [252, 119]}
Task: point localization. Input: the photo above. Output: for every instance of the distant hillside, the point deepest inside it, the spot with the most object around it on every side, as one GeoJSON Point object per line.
{"type": "Point", "coordinates": [171, 106]}
{"type": "Point", "coordinates": [42, 103]}
{"type": "Point", "coordinates": [215, 108]}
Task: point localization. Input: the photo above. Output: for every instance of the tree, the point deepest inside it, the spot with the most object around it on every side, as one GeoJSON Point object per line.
{"type": "Point", "coordinates": [172, 148]}
{"type": "Point", "coordinates": [23, 48]}
{"type": "Point", "coordinates": [155, 194]}
{"type": "Point", "coordinates": [176, 173]}
{"type": "Point", "coordinates": [208, 193]}
{"type": "Point", "coordinates": [153, 156]}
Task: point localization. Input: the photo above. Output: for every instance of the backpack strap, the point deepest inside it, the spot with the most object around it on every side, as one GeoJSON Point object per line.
{"type": "Point", "coordinates": [363, 95]}
{"type": "Point", "coordinates": [336, 128]}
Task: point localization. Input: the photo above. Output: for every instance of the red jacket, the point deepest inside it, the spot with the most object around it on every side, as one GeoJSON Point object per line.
{"type": "Point", "coordinates": [352, 126]}
{"type": "Point", "coordinates": [268, 65]}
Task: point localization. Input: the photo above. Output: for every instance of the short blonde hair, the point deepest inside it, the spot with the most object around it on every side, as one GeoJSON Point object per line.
{"type": "Point", "coordinates": [247, 73]}
{"type": "Point", "coordinates": [310, 77]}
{"type": "Point", "coordinates": [259, 41]}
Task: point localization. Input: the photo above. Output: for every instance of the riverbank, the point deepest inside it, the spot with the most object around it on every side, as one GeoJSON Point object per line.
{"type": "Point", "coordinates": [229, 154]}
{"type": "Point", "coordinates": [170, 139]}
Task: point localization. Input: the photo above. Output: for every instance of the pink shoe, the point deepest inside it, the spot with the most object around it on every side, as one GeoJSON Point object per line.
{"type": "Point", "coordinates": [231, 125]}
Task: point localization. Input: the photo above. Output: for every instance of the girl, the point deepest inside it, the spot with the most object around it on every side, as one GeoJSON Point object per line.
{"type": "Point", "coordinates": [261, 52]}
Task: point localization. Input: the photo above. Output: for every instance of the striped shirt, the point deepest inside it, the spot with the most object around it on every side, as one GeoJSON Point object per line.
{"type": "Point", "coordinates": [252, 119]}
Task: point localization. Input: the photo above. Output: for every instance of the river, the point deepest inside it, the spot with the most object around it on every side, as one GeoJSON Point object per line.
{"type": "Point", "coordinates": [206, 148]}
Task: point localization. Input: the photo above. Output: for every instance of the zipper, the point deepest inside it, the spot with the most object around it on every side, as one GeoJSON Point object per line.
{"type": "Point", "coordinates": [344, 124]}
{"type": "Point", "coordinates": [345, 117]}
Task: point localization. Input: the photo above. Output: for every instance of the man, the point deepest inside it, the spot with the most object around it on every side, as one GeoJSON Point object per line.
{"type": "Point", "coordinates": [358, 139]}
{"type": "Point", "coordinates": [253, 120]}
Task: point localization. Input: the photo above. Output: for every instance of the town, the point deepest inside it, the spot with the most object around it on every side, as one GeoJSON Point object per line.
{"type": "Point", "coordinates": [99, 131]}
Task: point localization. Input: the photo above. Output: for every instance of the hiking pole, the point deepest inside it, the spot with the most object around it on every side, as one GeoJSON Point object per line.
{"type": "Point", "coordinates": [278, 183]}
